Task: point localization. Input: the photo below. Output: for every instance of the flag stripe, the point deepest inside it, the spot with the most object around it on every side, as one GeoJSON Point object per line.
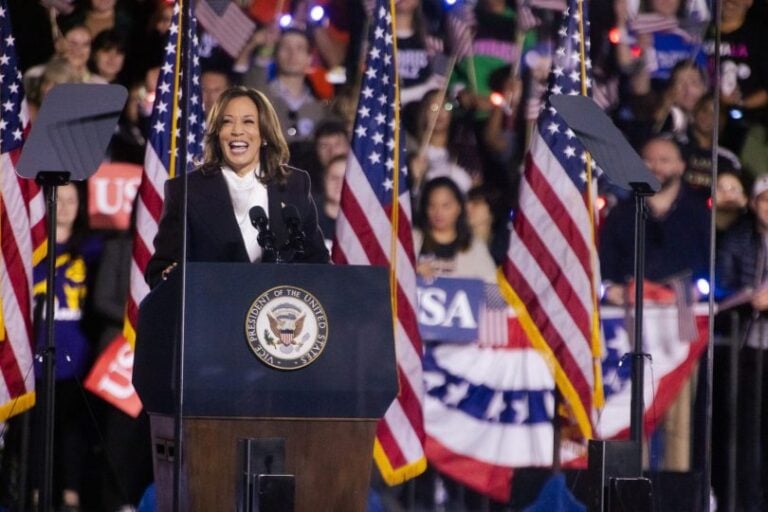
{"type": "Point", "coordinates": [555, 324]}
{"type": "Point", "coordinates": [560, 214]}
{"type": "Point", "coordinates": [551, 271]}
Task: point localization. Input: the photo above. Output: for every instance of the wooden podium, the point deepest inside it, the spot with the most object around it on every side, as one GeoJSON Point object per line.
{"type": "Point", "coordinates": [246, 422]}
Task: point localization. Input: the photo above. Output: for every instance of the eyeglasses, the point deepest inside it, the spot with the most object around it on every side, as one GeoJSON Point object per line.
{"type": "Point", "coordinates": [447, 106]}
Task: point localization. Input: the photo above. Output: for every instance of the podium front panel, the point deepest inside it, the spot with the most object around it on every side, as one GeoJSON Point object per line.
{"type": "Point", "coordinates": [353, 377]}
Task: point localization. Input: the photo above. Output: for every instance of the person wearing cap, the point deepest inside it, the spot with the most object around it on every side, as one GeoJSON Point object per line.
{"type": "Point", "coordinates": [742, 269]}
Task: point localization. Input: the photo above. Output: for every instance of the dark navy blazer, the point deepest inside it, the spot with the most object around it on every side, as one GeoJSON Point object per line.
{"type": "Point", "coordinates": [213, 232]}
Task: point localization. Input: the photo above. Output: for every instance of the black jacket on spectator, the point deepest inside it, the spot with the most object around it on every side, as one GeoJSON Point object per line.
{"type": "Point", "coordinates": [675, 243]}
{"type": "Point", "coordinates": [738, 254]}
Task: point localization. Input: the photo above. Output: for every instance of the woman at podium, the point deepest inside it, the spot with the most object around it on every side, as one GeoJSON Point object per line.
{"type": "Point", "coordinates": [245, 204]}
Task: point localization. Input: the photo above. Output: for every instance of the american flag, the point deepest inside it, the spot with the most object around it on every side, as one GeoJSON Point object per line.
{"type": "Point", "coordinates": [375, 205]}
{"type": "Point", "coordinates": [650, 22]}
{"type": "Point", "coordinates": [160, 161]}
{"type": "Point", "coordinates": [225, 21]}
{"type": "Point", "coordinates": [22, 236]}
{"type": "Point", "coordinates": [550, 273]}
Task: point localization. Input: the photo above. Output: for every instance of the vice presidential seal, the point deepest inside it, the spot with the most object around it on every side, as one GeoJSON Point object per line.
{"type": "Point", "coordinates": [286, 327]}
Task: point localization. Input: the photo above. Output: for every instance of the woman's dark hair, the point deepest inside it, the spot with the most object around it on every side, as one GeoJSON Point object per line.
{"type": "Point", "coordinates": [463, 231]}
{"type": "Point", "coordinates": [106, 40]}
{"type": "Point", "coordinates": [80, 227]}
{"type": "Point", "coordinates": [274, 153]}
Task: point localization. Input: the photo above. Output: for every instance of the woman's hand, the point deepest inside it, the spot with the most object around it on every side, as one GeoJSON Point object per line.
{"type": "Point", "coordinates": [425, 269]}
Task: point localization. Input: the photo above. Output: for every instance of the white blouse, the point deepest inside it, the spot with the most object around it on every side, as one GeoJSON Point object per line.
{"type": "Point", "coordinates": [247, 192]}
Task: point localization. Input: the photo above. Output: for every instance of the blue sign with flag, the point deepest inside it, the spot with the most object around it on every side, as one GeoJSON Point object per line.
{"type": "Point", "coordinates": [449, 309]}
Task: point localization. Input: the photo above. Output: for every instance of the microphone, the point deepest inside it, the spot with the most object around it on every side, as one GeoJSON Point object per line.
{"type": "Point", "coordinates": [296, 236]}
{"type": "Point", "coordinates": [266, 237]}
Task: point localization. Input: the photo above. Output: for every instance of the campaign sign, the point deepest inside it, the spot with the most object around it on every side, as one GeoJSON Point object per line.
{"type": "Point", "coordinates": [449, 308]}
{"type": "Point", "coordinates": [110, 377]}
{"type": "Point", "coordinates": [111, 192]}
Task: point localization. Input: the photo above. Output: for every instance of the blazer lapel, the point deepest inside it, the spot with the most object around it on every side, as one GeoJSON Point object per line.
{"type": "Point", "coordinates": [214, 209]}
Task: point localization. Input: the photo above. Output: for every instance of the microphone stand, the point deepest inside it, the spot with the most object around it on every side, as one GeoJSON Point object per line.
{"type": "Point", "coordinates": [296, 237]}
{"type": "Point", "coordinates": [638, 356]}
{"type": "Point", "coordinates": [50, 181]}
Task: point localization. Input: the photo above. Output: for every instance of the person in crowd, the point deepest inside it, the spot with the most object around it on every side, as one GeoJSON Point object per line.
{"type": "Point", "coordinates": [127, 450]}
{"type": "Point", "coordinates": [741, 271]}
{"type": "Point", "coordinates": [446, 247]}
{"type": "Point", "coordinates": [482, 205]}
{"type": "Point", "coordinates": [731, 201]}
{"type": "Point", "coordinates": [435, 155]}
{"type": "Point", "coordinates": [128, 143]}
{"type": "Point", "coordinates": [662, 41]}
{"type": "Point", "coordinates": [331, 141]}
{"type": "Point", "coordinates": [149, 42]}
{"type": "Point", "coordinates": [418, 50]}
{"type": "Point", "coordinates": [213, 82]}
{"type": "Point", "coordinates": [245, 166]}
{"type": "Point", "coordinates": [743, 82]}
{"type": "Point", "coordinates": [677, 226]}
{"type": "Point", "coordinates": [108, 56]}
{"type": "Point", "coordinates": [74, 48]}
{"type": "Point", "coordinates": [329, 203]}
{"type": "Point", "coordinates": [57, 71]}
{"type": "Point", "coordinates": [494, 47]}
{"type": "Point", "coordinates": [100, 15]}
{"type": "Point", "coordinates": [77, 51]}
{"type": "Point", "coordinates": [298, 108]}
{"type": "Point", "coordinates": [444, 244]}
{"type": "Point", "coordinates": [698, 148]}
{"type": "Point", "coordinates": [77, 256]}
{"type": "Point", "coordinates": [671, 109]}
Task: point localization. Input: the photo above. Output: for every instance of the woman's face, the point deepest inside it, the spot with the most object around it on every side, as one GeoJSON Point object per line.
{"type": "Point", "coordinates": [688, 88]}
{"type": "Point", "coordinates": [77, 48]}
{"type": "Point", "coordinates": [479, 214]}
{"type": "Point", "coordinates": [443, 113]}
{"type": "Point", "coordinates": [443, 209]}
{"type": "Point", "coordinates": [239, 136]}
{"type": "Point", "coordinates": [109, 63]}
{"type": "Point", "coordinates": [67, 204]}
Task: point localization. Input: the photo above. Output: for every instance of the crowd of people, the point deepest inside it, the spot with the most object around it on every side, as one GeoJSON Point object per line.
{"type": "Point", "coordinates": [473, 76]}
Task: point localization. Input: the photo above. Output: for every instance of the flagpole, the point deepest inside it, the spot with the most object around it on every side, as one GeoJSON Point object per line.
{"type": "Point", "coordinates": [731, 465]}
{"type": "Point", "coordinates": [180, 165]}
{"type": "Point", "coordinates": [598, 393]}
